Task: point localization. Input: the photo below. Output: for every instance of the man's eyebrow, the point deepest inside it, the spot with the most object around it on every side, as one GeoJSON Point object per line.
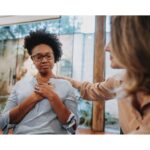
{"type": "Point", "coordinates": [43, 54]}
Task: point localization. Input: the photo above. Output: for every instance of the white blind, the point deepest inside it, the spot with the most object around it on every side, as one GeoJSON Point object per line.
{"type": "Point", "coordinates": [9, 20]}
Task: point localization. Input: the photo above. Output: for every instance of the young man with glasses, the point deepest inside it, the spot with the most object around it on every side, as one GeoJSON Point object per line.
{"type": "Point", "coordinates": [52, 102]}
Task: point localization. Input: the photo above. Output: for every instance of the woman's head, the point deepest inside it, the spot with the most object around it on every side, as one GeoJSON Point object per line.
{"type": "Point", "coordinates": [44, 48]}
{"type": "Point", "coordinates": [115, 64]}
{"type": "Point", "coordinates": [130, 45]}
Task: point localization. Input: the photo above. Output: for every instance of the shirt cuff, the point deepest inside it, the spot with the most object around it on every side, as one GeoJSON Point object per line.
{"type": "Point", "coordinates": [4, 121]}
{"type": "Point", "coordinates": [71, 124]}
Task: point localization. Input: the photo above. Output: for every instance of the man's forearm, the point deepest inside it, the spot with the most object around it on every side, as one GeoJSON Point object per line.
{"type": "Point", "coordinates": [19, 112]}
{"type": "Point", "coordinates": [60, 109]}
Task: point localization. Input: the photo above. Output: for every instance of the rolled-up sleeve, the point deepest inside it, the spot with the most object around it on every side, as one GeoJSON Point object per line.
{"type": "Point", "coordinates": [71, 103]}
{"type": "Point", "coordinates": [4, 121]}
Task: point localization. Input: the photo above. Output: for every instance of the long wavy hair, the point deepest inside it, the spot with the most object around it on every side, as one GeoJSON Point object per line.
{"type": "Point", "coordinates": [131, 46]}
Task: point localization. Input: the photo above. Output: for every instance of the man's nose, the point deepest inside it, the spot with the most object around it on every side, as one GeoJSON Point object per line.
{"type": "Point", "coordinates": [44, 59]}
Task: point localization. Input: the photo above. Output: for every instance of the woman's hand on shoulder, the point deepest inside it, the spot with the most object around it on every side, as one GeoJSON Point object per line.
{"type": "Point", "coordinates": [75, 84]}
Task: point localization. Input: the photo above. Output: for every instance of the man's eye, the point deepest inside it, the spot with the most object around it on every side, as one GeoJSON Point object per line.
{"type": "Point", "coordinates": [48, 56]}
{"type": "Point", "coordinates": [39, 57]}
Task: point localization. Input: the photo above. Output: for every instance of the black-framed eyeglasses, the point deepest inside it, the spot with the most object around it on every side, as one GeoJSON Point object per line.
{"type": "Point", "coordinates": [40, 57]}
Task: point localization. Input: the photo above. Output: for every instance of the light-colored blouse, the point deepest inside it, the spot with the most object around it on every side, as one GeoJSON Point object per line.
{"type": "Point", "coordinates": [131, 120]}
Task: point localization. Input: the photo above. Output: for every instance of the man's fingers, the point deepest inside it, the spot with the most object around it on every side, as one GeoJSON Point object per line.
{"type": "Point", "coordinates": [37, 89]}
{"type": "Point", "coordinates": [45, 85]}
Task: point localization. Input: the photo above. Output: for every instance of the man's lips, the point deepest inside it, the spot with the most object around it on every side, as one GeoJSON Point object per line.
{"type": "Point", "coordinates": [45, 66]}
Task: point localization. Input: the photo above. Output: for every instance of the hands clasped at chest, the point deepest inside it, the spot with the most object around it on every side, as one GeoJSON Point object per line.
{"type": "Point", "coordinates": [45, 90]}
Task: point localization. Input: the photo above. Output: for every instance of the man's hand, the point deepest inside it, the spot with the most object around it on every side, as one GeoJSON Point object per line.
{"type": "Point", "coordinates": [36, 97]}
{"type": "Point", "coordinates": [45, 90]}
{"type": "Point", "coordinates": [19, 112]}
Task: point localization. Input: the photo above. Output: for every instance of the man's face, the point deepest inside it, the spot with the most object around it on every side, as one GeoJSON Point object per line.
{"type": "Point", "coordinates": [114, 62]}
{"type": "Point", "coordinates": [43, 58]}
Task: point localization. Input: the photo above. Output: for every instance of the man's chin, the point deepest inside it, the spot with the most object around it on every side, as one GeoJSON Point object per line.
{"type": "Point", "coordinates": [44, 71]}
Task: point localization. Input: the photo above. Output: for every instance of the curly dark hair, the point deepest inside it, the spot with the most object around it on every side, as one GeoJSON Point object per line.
{"type": "Point", "coordinates": [42, 37]}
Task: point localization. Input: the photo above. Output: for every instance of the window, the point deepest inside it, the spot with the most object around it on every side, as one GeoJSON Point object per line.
{"type": "Point", "coordinates": [77, 36]}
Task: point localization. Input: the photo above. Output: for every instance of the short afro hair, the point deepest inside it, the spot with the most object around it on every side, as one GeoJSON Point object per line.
{"type": "Point", "coordinates": [42, 37]}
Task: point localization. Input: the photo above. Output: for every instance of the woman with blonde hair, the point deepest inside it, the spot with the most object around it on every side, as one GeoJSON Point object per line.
{"type": "Point", "coordinates": [130, 49]}
{"type": "Point", "coordinates": [131, 46]}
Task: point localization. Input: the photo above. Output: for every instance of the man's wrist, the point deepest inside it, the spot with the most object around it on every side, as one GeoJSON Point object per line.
{"type": "Point", "coordinates": [33, 97]}
{"type": "Point", "coordinates": [53, 96]}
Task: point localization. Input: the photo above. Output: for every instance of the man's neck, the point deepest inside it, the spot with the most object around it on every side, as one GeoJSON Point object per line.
{"type": "Point", "coordinates": [44, 77]}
